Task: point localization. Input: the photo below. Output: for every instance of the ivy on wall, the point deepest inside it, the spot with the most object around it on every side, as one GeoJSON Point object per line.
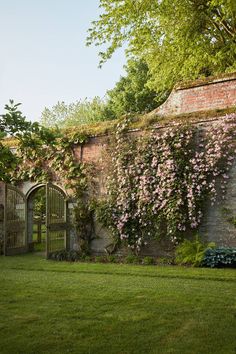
{"type": "Point", "coordinates": [52, 160]}
{"type": "Point", "coordinates": [157, 183]}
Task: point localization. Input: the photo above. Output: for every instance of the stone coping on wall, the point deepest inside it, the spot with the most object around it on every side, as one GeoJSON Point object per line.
{"type": "Point", "coordinates": [205, 81]}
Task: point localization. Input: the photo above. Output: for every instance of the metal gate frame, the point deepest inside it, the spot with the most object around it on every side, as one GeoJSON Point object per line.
{"type": "Point", "coordinates": [56, 223]}
{"type": "Point", "coordinates": [14, 249]}
{"type": "Point", "coordinates": [52, 225]}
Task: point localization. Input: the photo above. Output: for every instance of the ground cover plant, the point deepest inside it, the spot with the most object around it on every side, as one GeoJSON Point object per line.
{"type": "Point", "coordinates": [220, 257]}
{"type": "Point", "coordinates": [192, 252]}
{"type": "Point", "coordinates": [51, 307]}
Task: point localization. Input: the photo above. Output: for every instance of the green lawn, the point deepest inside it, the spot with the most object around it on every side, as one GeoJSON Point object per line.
{"type": "Point", "coordinates": [39, 247]}
{"type": "Point", "coordinates": [49, 307]}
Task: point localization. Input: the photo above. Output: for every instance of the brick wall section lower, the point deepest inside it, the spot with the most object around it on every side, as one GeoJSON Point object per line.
{"type": "Point", "coordinates": [92, 151]}
{"type": "Point", "coordinates": [201, 95]}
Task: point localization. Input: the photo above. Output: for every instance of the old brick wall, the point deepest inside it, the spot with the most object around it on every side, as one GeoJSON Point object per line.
{"type": "Point", "coordinates": [201, 95]}
{"type": "Point", "coordinates": [216, 225]}
{"type": "Point", "coordinates": [219, 221]}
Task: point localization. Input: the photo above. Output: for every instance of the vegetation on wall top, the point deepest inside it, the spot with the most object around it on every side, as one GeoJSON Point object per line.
{"type": "Point", "coordinates": [81, 133]}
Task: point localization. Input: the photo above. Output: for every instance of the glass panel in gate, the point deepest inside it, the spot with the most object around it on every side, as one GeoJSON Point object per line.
{"type": "Point", "coordinates": [56, 219]}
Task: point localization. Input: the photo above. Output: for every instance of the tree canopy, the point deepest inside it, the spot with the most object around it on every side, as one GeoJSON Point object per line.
{"type": "Point", "coordinates": [14, 124]}
{"type": "Point", "coordinates": [77, 113]}
{"type": "Point", "coordinates": [178, 39]}
{"type": "Point", "coordinates": [131, 94]}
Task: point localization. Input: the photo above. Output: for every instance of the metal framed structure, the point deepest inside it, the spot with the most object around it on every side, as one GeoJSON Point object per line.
{"type": "Point", "coordinates": [15, 225]}
{"type": "Point", "coordinates": [56, 219]}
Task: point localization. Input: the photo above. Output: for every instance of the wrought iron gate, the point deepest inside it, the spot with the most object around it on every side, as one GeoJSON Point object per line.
{"type": "Point", "coordinates": [56, 219]}
{"type": "Point", "coordinates": [15, 241]}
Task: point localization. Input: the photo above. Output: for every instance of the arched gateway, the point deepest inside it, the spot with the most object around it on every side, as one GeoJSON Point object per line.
{"type": "Point", "coordinates": [17, 218]}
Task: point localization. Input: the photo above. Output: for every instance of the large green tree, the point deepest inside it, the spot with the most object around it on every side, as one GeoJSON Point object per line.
{"type": "Point", "coordinates": [14, 124]}
{"type": "Point", "coordinates": [179, 39]}
{"type": "Point", "coordinates": [131, 94]}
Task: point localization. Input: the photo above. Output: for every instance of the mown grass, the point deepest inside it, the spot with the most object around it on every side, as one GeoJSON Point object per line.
{"type": "Point", "coordinates": [49, 307]}
{"type": "Point", "coordinates": [41, 246]}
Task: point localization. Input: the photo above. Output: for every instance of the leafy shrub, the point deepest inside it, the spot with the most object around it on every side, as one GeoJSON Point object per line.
{"type": "Point", "coordinates": [220, 257]}
{"type": "Point", "coordinates": [83, 256]}
{"type": "Point", "coordinates": [131, 258]}
{"type": "Point", "coordinates": [166, 261]}
{"type": "Point", "coordinates": [112, 259]}
{"type": "Point", "coordinates": [100, 259]}
{"type": "Point", "coordinates": [87, 259]}
{"type": "Point", "coordinates": [64, 255]}
{"type": "Point", "coordinates": [192, 252]}
{"type": "Point", "coordinates": [148, 260]}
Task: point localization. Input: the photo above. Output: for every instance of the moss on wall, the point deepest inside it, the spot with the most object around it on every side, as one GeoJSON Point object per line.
{"type": "Point", "coordinates": [139, 122]}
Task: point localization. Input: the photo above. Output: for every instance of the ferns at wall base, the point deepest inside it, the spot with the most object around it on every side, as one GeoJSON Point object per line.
{"type": "Point", "coordinates": [192, 252]}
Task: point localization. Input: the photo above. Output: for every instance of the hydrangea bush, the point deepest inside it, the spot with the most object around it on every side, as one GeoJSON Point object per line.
{"type": "Point", "coordinates": [158, 182]}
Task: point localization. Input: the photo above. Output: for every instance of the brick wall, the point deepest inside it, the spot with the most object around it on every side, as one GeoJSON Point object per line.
{"type": "Point", "coordinates": [215, 225]}
{"type": "Point", "coordinates": [92, 151]}
{"type": "Point", "coordinates": [201, 95]}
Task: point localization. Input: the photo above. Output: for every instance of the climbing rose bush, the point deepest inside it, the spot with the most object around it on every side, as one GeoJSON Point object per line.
{"type": "Point", "coordinates": [157, 184]}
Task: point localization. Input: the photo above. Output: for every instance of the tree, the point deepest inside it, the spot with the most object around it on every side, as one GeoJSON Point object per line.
{"type": "Point", "coordinates": [14, 124]}
{"type": "Point", "coordinates": [178, 39]}
{"type": "Point", "coordinates": [131, 94]}
{"type": "Point", "coordinates": [8, 162]}
{"type": "Point", "coordinates": [80, 112]}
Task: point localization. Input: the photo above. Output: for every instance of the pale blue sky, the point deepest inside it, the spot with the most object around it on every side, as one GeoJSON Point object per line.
{"type": "Point", "coordinates": [43, 54]}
